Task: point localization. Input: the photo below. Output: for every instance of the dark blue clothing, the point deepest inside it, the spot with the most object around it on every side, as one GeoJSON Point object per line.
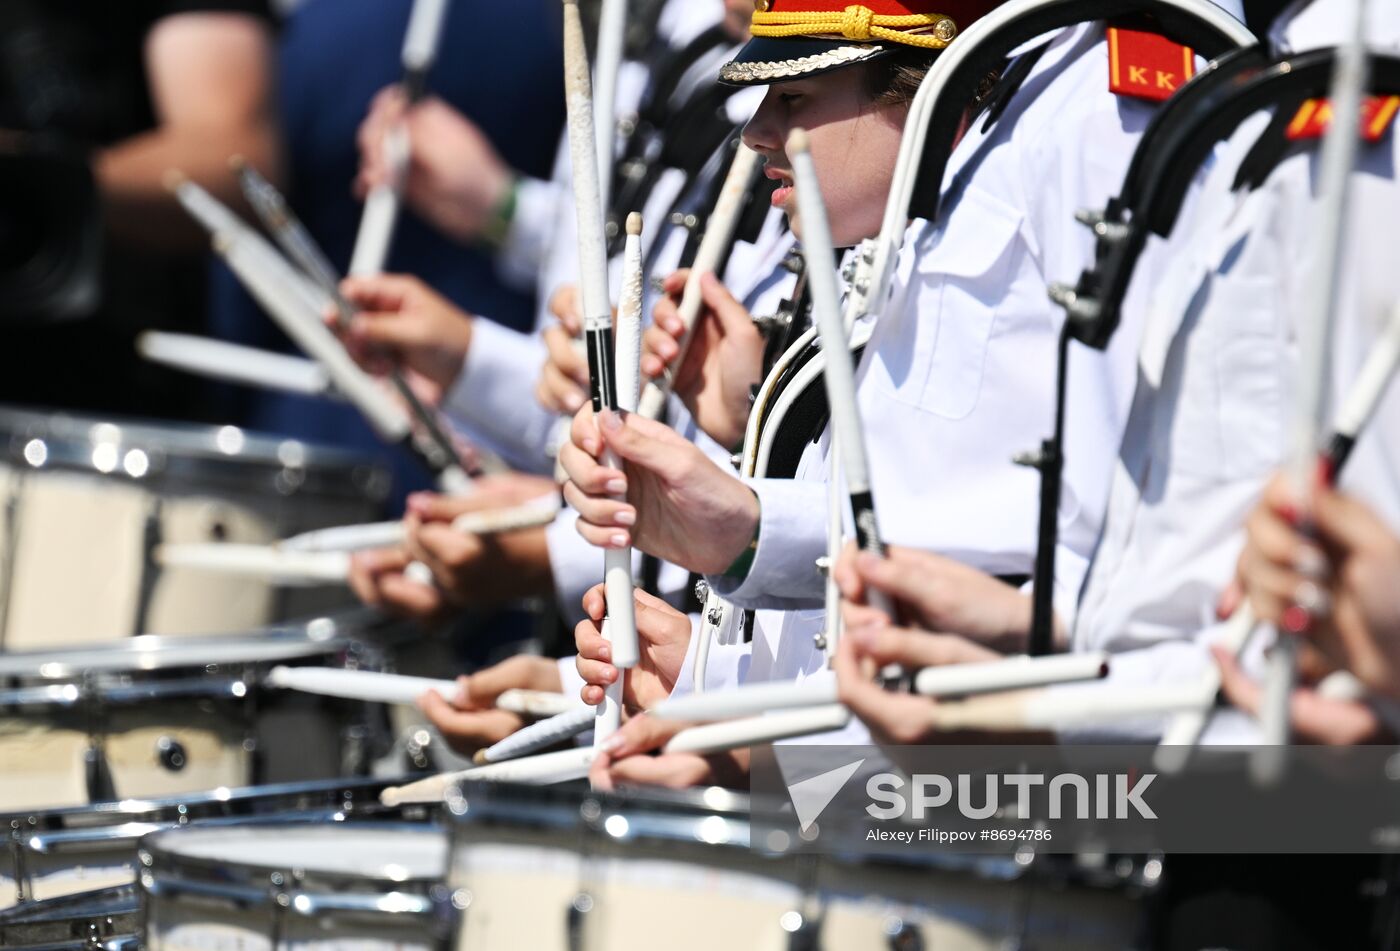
{"type": "Point", "coordinates": [500, 64]}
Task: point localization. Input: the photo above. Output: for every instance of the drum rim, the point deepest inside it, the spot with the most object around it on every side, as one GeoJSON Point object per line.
{"type": "Point", "coordinates": [37, 822]}
{"type": "Point", "coordinates": [190, 440]}
{"type": "Point", "coordinates": [141, 653]}
{"type": "Point", "coordinates": [472, 804]}
{"type": "Point", "coordinates": [162, 868]}
{"type": "Point", "coordinates": [114, 899]}
{"type": "Point", "coordinates": [677, 816]}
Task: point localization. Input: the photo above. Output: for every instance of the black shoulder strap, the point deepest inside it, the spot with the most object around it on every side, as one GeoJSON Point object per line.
{"type": "Point", "coordinates": [1180, 142]}
{"type": "Point", "coordinates": [990, 52]}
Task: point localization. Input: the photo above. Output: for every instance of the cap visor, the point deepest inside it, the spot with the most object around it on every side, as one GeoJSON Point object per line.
{"type": "Point", "coordinates": [765, 59]}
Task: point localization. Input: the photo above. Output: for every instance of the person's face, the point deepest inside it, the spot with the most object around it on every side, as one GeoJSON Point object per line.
{"type": "Point", "coordinates": [854, 145]}
{"type": "Point", "coordinates": [737, 16]}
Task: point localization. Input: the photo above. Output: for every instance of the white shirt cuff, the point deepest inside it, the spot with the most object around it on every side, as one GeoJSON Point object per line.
{"type": "Point", "coordinates": [791, 537]}
{"type": "Point", "coordinates": [521, 255]}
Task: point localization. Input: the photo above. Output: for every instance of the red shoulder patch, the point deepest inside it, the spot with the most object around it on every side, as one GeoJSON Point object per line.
{"type": "Point", "coordinates": [1146, 65]}
{"type": "Point", "coordinates": [1315, 118]}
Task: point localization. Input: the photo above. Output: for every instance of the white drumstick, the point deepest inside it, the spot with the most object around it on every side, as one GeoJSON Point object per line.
{"type": "Point", "coordinates": [543, 770]}
{"type": "Point", "coordinates": [432, 442]}
{"type": "Point", "coordinates": [368, 686]}
{"type": "Point", "coordinates": [612, 35]}
{"type": "Point", "coordinates": [293, 302]}
{"type": "Point", "coordinates": [752, 731]}
{"type": "Point", "coordinates": [1335, 166]}
{"type": "Point", "coordinates": [304, 326]}
{"type": "Point", "coordinates": [349, 538]}
{"type": "Point", "coordinates": [220, 360]}
{"type": "Point", "coordinates": [719, 231]}
{"type": "Point", "coordinates": [420, 43]}
{"type": "Point", "coordinates": [381, 212]}
{"type": "Point", "coordinates": [1030, 710]}
{"type": "Point", "coordinates": [380, 215]}
{"type": "Point", "coordinates": [322, 556]}
{"type": "Point", "coordinates": [597, 315]}
{"type": "Point", "coordinates": [292, 568]}
{"type": "Point", "coordinates": [838, 372]}
{"type": "Point", "coordinates": [617, 574]}
{"type": "Point", "coordinates": [539, 736]}
{"type": "Point", "coordinates": [374, 687]}
{"type": "Point", "coordinates": [1183, 731]}
{"type": "Point", "coordinates": [952, 680]}
{"type": "Point", "coordinates": [1014, 673]}
{"type": "Point", "coordinates": [213, 215]}
{"type": "Point", "coordinates": [346, 538]}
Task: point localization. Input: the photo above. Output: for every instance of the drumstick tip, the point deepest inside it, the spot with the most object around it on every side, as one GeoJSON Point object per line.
{"type": "Point", "coordinates": [798, 142]}
{"type": "Point", "coordinates": [237, 163]}
{"type": "Point", "coordinates": [173, 179]}
{"type": "Point", "coordinates": [479, 758]}
{"type": "Point", "coordinates": [634, 224]}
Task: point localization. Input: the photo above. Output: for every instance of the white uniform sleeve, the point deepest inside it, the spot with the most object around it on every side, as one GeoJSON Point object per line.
{"type": "Point", "coordinates": [791, 537]}
{"type": "Point", "coordinates": [575, 565]}
{"type": "Point", "coordinates": [522, 255]}
{"type": "Point", "coordinates": [494, 401]}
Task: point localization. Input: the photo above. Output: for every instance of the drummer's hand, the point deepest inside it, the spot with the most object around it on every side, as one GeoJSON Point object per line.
{"type": "Point", "coordinates": [480, 570]}
{"type": "Point", "coordinates": [456, 180]}
{"type": "Point", "coordinates": [566, 306]}
{"type": "Point", "coordinates": [934, 593]}
{"type": "Point", "coordinates": [378, 580]}
{"type": "Point", "coordinates": [663, 633]}
{"type": "Point", "coordinates": [895, 719]}
{"type": "Point", "coordinates": [501, 490]}
{"type": "Point", "coordinates": [400, 321]}
{"type": "Point", "coordinates": [1351, 572]}
{"type": "Point", "coordinates": [680, 506]}
{"type": "Point", "coordinates": [471, 721]}
{"type": "Point", "coordinates": [1313, 717]}
{"type": "Point", "coordinates": [563, 383]}
{"type": "Point", "coordinates": [626, 760]}
{"type": "Point", "coordinates": [723, 362]}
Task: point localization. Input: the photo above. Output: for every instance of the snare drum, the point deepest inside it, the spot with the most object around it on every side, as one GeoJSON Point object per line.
{"type": "Point", "coordinates": [60, 852]}
{"type": "Point", "coordinates": [309, 886]}
{"type": "Point", "coordinates": [104, 920]}
{"type": "Point", "coordinates": [156, 716]}
{"type": "Point", "coordinates": [83, 503]}
{"type": "Point", "coordinates": [552, 869]}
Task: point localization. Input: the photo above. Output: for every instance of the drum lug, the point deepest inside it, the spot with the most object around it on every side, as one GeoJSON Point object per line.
{"type": "Point", "coordinates": [579, 909]}
{"type": "Point", "coordinates": [803, 931]}
{"type": "Point", "coordinates": [900, 935]}
{"type": "Point", "coordinates": [171, 754]}
{"type": "Point", "coordinates": [98, 774]}
{"type": "Point", "coordinates": [152, 536]}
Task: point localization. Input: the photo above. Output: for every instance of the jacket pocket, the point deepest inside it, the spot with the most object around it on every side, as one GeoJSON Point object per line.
{"type": "Point", "coordinates": [937, 350]}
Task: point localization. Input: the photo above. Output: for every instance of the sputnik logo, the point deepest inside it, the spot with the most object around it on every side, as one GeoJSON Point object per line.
{"type": "Point", "coordinates": [811, 796]}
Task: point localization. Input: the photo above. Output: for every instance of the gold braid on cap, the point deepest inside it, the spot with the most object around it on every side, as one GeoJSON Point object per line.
{"type": "Point", "coordinates": [859, 24]}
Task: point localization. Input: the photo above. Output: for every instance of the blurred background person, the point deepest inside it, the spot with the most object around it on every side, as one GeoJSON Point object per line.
{"type": "Point", "coordinates": [493, 117]}
{"type": "Point", "coordinates": [132, 89]}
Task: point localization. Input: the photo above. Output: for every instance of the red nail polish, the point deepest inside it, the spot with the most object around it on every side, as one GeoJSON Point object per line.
{"type": "Point", "coordinates": [1296, 620]}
